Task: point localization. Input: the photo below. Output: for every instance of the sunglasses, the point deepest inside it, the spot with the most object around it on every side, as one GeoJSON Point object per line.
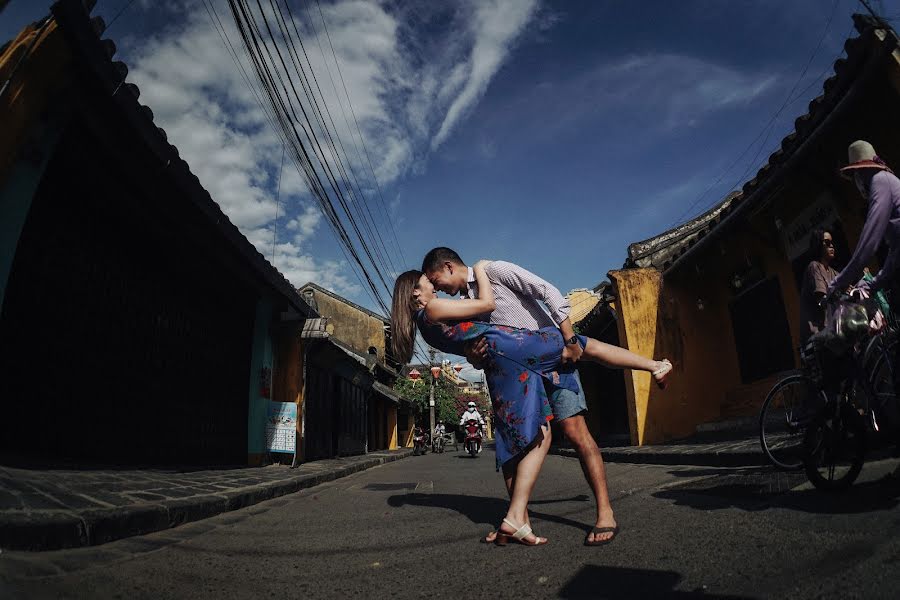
{"type": "Point", "coordinates": [828, 243]}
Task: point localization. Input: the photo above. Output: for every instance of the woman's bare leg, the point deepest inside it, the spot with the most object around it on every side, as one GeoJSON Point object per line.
{"type": "Point", "coordinates": [527, 471]}
{"type": "Point", "coordinates": [509, 479]}
{"type": "Point", "coordinates": [616, 357]}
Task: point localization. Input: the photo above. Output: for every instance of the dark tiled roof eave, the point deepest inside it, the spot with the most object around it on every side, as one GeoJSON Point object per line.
{"type": "Point", "coordinates": [680, 241]}
{"type": "Point", "coordinates": [82, 34]}
{"type": "Point", "coordinates": [659, 250]}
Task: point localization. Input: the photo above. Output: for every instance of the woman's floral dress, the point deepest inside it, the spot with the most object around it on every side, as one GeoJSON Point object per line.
{"type": "Point", "coordinates": [523, 363]}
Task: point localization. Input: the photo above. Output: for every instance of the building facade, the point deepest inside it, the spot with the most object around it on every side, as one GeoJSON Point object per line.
{"type": "Point", "coordinates": [719, 295]}
{"type": "Point", "coordinates": [349, 406]}
{"type": "Point", "coordinates": [137, 325]}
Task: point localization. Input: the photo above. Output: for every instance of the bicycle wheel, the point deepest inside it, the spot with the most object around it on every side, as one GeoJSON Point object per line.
{"type": "Point", "coordinates": [881, 378]}
{"type": "Point", "coordinates": [835, 449]}
{"type": "Point", "coordinates": [789, 408]}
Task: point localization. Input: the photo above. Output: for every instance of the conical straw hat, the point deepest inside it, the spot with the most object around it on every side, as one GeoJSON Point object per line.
{"type": "Point", "coordinates": [861, 155]}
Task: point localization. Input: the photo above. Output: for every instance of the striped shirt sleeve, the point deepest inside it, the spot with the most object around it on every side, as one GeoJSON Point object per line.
{"type": "Point", "coordinates": [530, 285]}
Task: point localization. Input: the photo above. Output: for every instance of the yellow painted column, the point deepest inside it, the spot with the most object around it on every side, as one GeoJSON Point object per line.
{"type": "Point", "coordinates": [637, 294]}
{"type": "Point", "coordinates": [410, 425]}
{"type": "Point", "coordinates": [392, 428]}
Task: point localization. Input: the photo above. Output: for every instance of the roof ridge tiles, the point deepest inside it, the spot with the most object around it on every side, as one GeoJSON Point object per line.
{"type": "Point", "coordinates": [80, 29]}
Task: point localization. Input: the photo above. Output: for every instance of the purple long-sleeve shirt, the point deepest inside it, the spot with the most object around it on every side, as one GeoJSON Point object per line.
{"type": "Point", "coordinates": [882, 224]}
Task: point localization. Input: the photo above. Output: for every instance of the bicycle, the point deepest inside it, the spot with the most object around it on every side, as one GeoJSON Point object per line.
{"type": "Point", "coordinates": [835, 443]}
{"type": "Point", "coordinates": [794, 401]}
{"type": "Point", "coordinates": [787, 411]}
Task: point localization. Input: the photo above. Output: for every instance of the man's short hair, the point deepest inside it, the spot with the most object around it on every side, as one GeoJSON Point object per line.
{"type": "Point", "coordinates": [437, 257]}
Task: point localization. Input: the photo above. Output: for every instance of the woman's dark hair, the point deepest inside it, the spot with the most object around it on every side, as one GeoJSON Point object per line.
{"type": "Point", "coordinates": [403, 307]}
{"type": "Point", "coordinates": [815, 243]}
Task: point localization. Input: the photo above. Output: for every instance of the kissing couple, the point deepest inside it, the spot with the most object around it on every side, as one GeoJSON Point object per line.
{"type": "Point", "coordinates": [515, 326]}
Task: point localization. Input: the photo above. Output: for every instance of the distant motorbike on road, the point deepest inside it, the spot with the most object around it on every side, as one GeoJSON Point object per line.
{"type": "Point", "coordinates": [437, 444]}
{"type": "Point", "coordinates": [419, 441]}
{"type": "Point", "coordinates": [473, 437]}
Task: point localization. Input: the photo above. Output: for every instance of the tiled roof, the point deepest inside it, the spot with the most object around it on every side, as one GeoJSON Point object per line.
{"type": "Point", "coordinates": [385, 391]}
{"type": "Point", "coordinates": [328, 292]}
{"type": "Point", "coordinates": [671, 248]}
{"type": "Point", "coordinates": [661, 250]}
{"type": "Point", "coordinates": [95, 55]}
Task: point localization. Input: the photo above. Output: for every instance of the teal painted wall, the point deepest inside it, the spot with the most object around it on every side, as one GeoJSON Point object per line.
{"type": "Point", "coordinates": [16, 194]}
{"type": "Point", "coordinates": [262, 357]}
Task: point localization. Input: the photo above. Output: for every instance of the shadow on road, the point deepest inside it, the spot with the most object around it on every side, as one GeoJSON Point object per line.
{"type": "Point", "coordinates": [484, 509]}
{"type": "Point", "coordinates": [619, 582]}
{"type": "Point", "coordinates": [757, 491]}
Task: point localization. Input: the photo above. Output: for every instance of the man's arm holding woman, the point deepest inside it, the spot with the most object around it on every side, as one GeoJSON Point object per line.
{"type": "Point", "coordinates": [528, 284]}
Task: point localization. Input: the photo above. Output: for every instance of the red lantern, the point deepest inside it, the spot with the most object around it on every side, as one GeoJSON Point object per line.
{"type": "Point", "coordinates": [414, 375]}
{"type": "Point", "coordinates": [435, 372]}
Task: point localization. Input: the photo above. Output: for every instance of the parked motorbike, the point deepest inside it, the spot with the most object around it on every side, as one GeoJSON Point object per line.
{"type": "Point", "coordinates": [473, 437]}
{"type": "Point", "coordinates": [419, 442]}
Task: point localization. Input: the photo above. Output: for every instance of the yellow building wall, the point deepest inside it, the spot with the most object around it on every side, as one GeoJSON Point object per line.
{"type": "Point", "coordinates": [662, 319]}
{"type": "Point", "coordinates": [287, 378]}
{"type": "Point", "coordinates": [706, 384]}
{"type": "Point", "coordinates": [353, 327]}
{"type": "Point", "coordinates": [637, 291]}
{"type": "Point", "coordinates": [392, 428]}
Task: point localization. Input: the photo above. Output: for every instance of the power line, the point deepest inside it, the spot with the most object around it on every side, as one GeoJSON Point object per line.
{"type": "Point", "coordinates": [368, 223]}
{"type": "Point", "coordinates": [307, 150]}
{"type": "Point", "coordinates": [119, 14]}
{"type": "Point", "coordinates": [359, 132]}
{"type": "Point", "coordinates": [767, 129]}
{"type": "Point", "coordinates": [277, 195]}
{"type": "Point", "coordinates": [271, 117]}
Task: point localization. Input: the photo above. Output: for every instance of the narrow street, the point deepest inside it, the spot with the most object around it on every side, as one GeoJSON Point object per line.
{"type": "Point", "coordinates": [411, 528]}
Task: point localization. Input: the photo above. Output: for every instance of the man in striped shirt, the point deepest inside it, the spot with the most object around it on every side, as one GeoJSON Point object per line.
{"type": "Point", "coordinates": [526, 301]}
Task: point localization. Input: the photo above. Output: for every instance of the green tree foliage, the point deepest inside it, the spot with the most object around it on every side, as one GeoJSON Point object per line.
{"type": "Point", "coordinates": [449, 402]}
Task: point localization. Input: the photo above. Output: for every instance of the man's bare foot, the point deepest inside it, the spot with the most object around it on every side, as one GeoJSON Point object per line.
{"type": "Point", "coordinates": [595, 538]}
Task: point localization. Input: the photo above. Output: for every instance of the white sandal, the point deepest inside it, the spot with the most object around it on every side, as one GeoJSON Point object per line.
{"type": "Point", "coordinates": [519, 536]}
{"type": "Point", "coordinates": [662, 373]}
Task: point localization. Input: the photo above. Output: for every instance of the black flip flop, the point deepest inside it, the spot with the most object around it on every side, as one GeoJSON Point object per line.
{"type": "Point", "coordinates": [596, 530]}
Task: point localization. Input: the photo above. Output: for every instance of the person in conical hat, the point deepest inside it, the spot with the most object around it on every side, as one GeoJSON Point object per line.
{"type": "Point", "coordinates": [881, 189]}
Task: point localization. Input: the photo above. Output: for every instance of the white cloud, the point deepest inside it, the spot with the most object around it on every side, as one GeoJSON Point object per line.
{"type": "Point", "coordinates": [496, 26]}
{"type": "Point", "coordinates": [408, 88]}
{"type": "Point", "coordinates": [649, 94]}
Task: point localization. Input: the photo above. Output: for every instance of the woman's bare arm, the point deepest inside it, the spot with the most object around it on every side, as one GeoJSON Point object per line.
{"type": "Point", "coordinates": [442, 309]}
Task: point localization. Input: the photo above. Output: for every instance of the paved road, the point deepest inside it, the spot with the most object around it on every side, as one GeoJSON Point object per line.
{"type": "Point", "coordinates": [413, 525]}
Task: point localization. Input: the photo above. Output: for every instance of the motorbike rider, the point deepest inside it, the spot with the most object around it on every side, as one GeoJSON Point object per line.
{"type": "Point", "coordinates": [438, 433]}
{"type": "Point", "coordinates": [473, 414]}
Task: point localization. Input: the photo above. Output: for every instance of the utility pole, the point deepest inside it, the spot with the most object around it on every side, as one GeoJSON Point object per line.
{"type": "Point", "coordinates": [431, 395]}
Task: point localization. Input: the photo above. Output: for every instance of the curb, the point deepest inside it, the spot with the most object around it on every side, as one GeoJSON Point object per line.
{"type": "Point", "coordinates": [709, 458]}
{"type": "Point", "coordinates": [36, 532]}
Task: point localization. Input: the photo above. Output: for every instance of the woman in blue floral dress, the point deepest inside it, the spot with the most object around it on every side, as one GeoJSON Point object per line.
{"type": "Point", "coordinates": [524, 364]}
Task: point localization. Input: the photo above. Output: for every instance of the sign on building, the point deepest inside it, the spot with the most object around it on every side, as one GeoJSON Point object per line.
{"type": "Point", "coordinates": [281, 427]}
{"type": "Point", "coordinates": [820, 213]}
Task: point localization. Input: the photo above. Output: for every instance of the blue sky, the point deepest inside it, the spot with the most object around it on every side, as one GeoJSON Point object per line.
{"type": "Point", "coordinates": [548, 134]}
